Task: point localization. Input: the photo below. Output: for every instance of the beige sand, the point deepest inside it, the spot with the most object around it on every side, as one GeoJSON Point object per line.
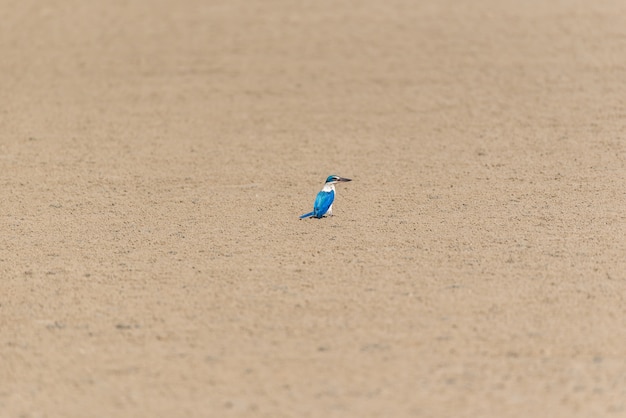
{"type": "Point", "coordinates": [155, 157]}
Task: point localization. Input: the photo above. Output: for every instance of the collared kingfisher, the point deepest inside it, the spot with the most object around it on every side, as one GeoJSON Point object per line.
{"type": "Point", "coordinates": [323, 205]}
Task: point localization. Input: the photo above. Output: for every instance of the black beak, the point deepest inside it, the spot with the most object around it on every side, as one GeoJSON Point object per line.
{"type": "Point", "coordinates": [342, 179]}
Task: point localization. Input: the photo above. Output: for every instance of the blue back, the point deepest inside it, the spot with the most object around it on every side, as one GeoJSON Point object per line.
{"type": "Point", "coordinates": [322, 203]}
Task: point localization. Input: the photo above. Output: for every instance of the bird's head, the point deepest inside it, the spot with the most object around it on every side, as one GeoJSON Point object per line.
{"type": "Point", "coordinates": [336, 179]}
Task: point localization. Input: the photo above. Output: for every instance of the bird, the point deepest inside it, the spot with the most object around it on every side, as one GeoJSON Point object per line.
{"type": "Point", "coordinates": [323, 205]}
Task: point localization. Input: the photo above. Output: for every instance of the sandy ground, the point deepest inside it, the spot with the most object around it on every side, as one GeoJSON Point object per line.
{"type": "Point", "coordinates": [155, 157]}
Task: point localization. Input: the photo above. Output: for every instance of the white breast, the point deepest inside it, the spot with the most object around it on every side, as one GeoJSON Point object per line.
{"type": "Point", "coordinates": [330, 188]}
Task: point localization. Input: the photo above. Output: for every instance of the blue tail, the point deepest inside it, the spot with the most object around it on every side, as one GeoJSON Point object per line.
{"type": "Point", "coordinates": [307, 215]}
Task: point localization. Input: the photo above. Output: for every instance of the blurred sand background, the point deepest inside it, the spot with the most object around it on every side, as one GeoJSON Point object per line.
{"type": "Point", "coordinates": [155, 157]}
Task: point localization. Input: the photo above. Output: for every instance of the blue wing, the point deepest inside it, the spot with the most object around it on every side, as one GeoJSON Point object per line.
{"type": "Point", "coordinates": [322, 203]}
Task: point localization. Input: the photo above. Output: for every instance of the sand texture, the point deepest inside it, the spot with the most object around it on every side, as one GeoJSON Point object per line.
{"type": "Point", "coordinates": [155, 157]}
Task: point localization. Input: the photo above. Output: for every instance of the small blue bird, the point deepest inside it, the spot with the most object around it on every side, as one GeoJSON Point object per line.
{"type": "Point", "coordinates": [324, 201]}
